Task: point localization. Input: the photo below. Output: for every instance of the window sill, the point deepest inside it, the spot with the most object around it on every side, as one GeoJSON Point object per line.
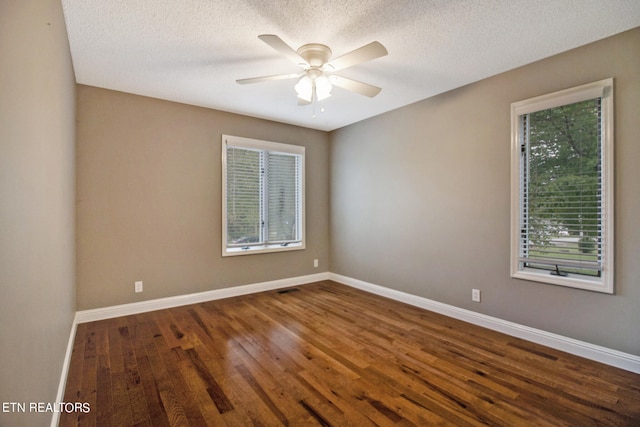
{"type": "Point", "coordinates": [596, 284]}
{"type": "Point", "coordinates": [251, 250]}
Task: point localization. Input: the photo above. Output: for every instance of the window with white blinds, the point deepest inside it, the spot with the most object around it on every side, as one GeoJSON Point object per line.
{"type": "Point", "coordinates": [562, 212]}
{"type": "Point", "coordinates": [263, 196]}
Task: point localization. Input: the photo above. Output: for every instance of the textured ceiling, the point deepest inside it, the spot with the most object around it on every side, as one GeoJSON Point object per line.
{"type": "Point", "coordinates": [192, 51]}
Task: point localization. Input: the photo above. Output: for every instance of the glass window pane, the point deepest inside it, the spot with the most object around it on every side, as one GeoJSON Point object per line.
{"type": "Point", "coordinates": [563, 185]}
{"type": "Point", "coordinates": [243, 196]}
{"type": "Point", "coordinates": [283, 197]}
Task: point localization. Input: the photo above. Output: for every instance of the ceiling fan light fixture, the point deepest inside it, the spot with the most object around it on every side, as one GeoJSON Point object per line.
{"type": "Point", "coordinates": [323, 87]}
{"type": "Point", "coordinates": [304, 88]}
{"type": "Point", "coordinates": [313, 87]}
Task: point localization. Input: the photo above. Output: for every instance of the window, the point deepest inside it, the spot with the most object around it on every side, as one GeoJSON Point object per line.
{"type": "Point", "coordinates": [263, 196]}
{"type": "Point", "coordinates": [562, 188]}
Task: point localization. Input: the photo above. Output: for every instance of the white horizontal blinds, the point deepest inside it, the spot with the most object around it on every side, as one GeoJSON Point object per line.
{"type": "Point", "coordinates": [283, 197]}
{"type": "Point", "coordinates": [561, 221]}
{"type": "Point", "coordinates": [244, 196]}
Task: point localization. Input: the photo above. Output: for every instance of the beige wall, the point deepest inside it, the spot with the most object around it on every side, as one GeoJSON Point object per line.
{"type": "Point", "coordinates": [149, 199]}
{"type": "Point", "coordinates": [37, 260]}
{"type": "Point", "coordinates": [420, 199]}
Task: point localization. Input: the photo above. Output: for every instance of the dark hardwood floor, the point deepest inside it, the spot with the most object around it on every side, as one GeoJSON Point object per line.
{"type": "Point", "coordinates": [326, 354]}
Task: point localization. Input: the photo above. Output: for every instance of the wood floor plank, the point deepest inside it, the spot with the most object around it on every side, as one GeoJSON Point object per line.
{"type": "Point", "coordinates": [175, 394]}
{"type": "Point", "coordinates": [73, 387]}
{"type": "Point", "coordinates": [208, 402]}
{"type": "Point", "coordinates": [88, 392]}
{"type": "Point", "coordinates": [135, 390]}
{"type": "Point", "coordinates": [122, 414]}
{"type": "Point", "coordinates": [153, 403]}
{"type": "Point", "coordinates": [330, 355]}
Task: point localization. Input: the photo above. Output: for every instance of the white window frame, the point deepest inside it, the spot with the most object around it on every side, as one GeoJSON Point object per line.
{"type": "Point", "coordinates": [255, 144]}
{"type": "Point", "coordinates": [603, 89]}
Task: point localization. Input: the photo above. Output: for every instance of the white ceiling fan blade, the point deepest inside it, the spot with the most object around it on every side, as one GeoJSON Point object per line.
{"type": "Point", "coordinates": [268, 78]}
{"type": "Point", "coordinates": [355, 86]}
{"type": "Point", "coordinates": [365, 53]}
{"type": "Point", "coordinates": [276, 43]}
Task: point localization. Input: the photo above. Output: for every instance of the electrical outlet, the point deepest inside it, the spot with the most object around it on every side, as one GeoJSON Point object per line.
{"type": "Point", "coordinates": [315, 263]}
{"type": "Point", "coordinates": [138, 286]}
{"type": "Point", "coordinates": [475, 295]}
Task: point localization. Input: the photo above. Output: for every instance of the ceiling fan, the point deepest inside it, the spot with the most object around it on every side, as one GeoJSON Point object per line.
{"type": "Point", "coordinates": [317, 79]}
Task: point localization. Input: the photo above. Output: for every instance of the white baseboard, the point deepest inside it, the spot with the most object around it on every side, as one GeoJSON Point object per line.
{"type": "Point", "coordinates": [604, 355]}
{"type": "Point", "coordinates": [176, 301]}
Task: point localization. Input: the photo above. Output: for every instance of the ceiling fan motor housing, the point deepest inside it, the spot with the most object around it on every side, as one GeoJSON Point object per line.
{"type": "Point", "coordinates": [315, 54]}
